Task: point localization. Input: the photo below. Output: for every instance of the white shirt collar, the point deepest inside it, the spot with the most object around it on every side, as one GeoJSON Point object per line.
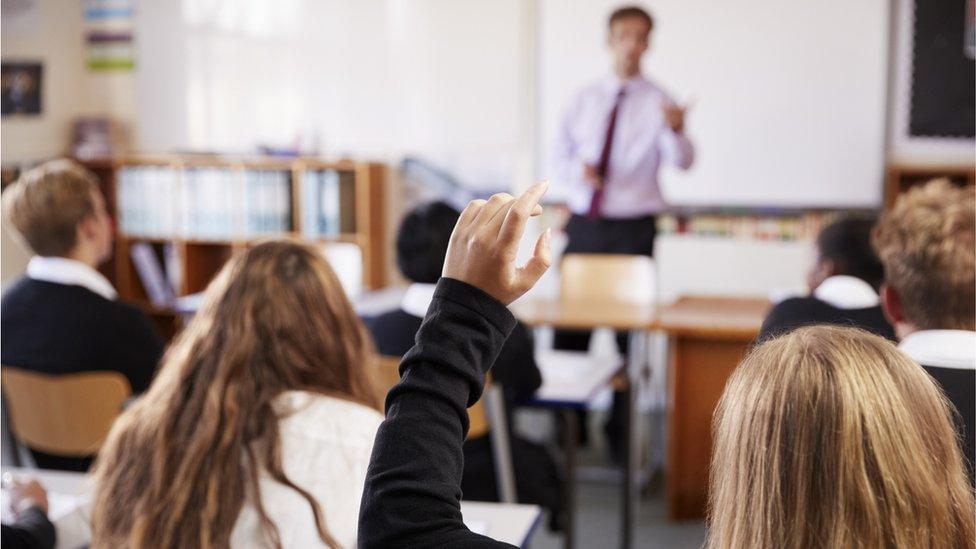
{"type": "Point", "coordinates": [942, 348]}
{"type": "Point", "coordinates": [417, 299]}
{"type": "Point", "coordinates": [613, 83]}
{"type": "Point", "coordinates": [847, 292]}
{"type": "Point", "coordinates": [61, 270]}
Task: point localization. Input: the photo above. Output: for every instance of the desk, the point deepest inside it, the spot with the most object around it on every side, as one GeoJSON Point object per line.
{"type": "Point", "coordinates": [511, 523]}
{"type": "Point", "coordinates": [707, 338]}
{"type": "Point", "coordinates": [589, 315]}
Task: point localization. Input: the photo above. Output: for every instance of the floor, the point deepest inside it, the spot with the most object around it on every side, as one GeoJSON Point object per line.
{"type": "Point", "coordinates": [598, 523]}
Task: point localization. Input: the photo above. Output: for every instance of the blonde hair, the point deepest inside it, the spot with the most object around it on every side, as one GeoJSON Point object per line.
{"type": "Point", "coordinates": [831, 437]}
{"type": "Point", "coordinates": [46, 204]}
{"type": "Point", "coordinates": [181, 462]}
{"type": "Point", "coordinates": [927, 244]}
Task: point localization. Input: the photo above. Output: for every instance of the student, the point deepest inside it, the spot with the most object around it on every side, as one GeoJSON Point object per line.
{"type": "Point", "coordinates": [843, 283]}
{"type": "Point", "coordinates": [831, 437]}
{"type": "Point", "coordinates": [421, 246]}
{"type": "Point", "coordinates": [413, 487]}
{"type": "Point", "coordinates": [31, 529]}
{"type": "Point", "coordinates": [926, 243]}
{"type": "Point", "coordinates": [258, 429]}
{"type": "Point", "coordinates": [64, 316]}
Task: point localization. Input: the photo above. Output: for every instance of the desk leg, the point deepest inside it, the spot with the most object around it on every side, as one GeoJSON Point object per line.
{"type": "Point", "coordinates": [571, 424]}
{"type": "Point", "coordinates": [501, 446]}
{"type": "Point", "coordinates": [636, 351]}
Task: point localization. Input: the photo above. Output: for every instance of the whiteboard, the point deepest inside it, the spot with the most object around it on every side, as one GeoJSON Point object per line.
{"type": "Point", "coordinates": [789, 96]}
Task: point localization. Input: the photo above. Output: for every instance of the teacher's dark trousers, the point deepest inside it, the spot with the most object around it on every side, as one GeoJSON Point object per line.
{"type": "Point", "coordinates": [632, 236]}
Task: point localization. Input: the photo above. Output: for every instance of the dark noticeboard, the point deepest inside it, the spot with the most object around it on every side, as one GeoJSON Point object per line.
{"type": "Point", "coordinates": [20, 88]}
{"type": "Point", "coordinates": [943, 99]}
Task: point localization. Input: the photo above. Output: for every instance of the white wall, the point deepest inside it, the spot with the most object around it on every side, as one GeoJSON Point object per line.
{"type": "Point", "coordinates": [375, 78]}
{"type": "Point", "coordinates": [53, 37]}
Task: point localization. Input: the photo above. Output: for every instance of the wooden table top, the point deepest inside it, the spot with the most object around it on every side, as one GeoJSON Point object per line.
{"type": "Point", "coordinates": [716, 317]}
{"type": "Point", "coordinates": [721, 317]}
{"type": "Point", "coordinates": [585, 315]}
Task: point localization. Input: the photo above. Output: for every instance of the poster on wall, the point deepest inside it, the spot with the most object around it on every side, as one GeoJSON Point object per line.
{"type": "Point", "coordinates": [109, 34]}
{"type": "Point", "coordinates": [20, 88]}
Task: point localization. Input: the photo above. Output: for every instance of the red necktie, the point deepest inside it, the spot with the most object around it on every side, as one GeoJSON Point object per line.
{"type": "Point", "coordinates": [603, 166]}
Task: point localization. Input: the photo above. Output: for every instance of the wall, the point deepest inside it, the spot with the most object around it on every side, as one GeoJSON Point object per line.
{"type": "Point", "coordinates": [53, 37]}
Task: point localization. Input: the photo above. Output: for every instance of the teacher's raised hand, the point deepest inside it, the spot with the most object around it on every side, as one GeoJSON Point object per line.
{"type": "Point", "coordinates": [485, 242]}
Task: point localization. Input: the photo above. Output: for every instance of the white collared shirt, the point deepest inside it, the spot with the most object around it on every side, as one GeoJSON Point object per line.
{"type": "Point", "coordinates": [942, 348]}
{"type": "Point", "coordinates": [847, 292]}
{"type": "Point", "coordinates": [61, 270]}
{"type": "Point", "coordinates": [642, 141]}
{"type": "Point", "coordinates": [417, 299]}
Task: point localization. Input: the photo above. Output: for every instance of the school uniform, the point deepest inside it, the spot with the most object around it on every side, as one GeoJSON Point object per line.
{"type": "Point", "coordinates": [413, 486]}
{"type": "Point", "coordinates": [949, 356]}
{"type": "Point", "coordinates": [839, 300]}
{"type": "Point", "coordinates": [325, 447]}
{"type": "Point", "coordinates": [32, 530]}
{"type": "Point", "coordinates": [537, 477]}
{"type": "Point", "coordinates": [64, 317]}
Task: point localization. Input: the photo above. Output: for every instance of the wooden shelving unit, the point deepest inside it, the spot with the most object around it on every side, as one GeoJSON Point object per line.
{"type": "Point", "coordinates": [900, 178]}
{"type": "Point", "coordinates": [201, 258]}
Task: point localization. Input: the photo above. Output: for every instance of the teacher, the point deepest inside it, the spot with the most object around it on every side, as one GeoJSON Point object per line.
{"type": "Point", "coordinates": [611, 142]}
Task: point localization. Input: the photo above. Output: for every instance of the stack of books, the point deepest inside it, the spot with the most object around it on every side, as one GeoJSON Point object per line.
{"type": "Point", "coordinates": [203, 203]}
{"type": "Point", "coordinates": [328, 202]}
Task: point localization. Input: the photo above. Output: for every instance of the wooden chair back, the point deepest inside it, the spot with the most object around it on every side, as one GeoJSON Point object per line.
{"type": "Point", "coordinates": [388, 374]}
{"type": "Point", "coordinates": [608, 278]}
{"type": "Point", "coordinates": [66, 415]}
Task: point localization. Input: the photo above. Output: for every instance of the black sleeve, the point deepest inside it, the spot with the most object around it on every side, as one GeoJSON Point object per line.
{"type": "Point", "coordinates": [412, 493]}
{"type": "Point", "coordinates": [138, 348]}
{"type": "Point", "coordinates": [515, 368]}
{"type": "Point", "coordinates": [32, 530]}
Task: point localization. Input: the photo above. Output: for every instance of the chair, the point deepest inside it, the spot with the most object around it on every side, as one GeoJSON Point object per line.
{"type": "Point", "coordinates": [622, 278]}
{"type": "Point", "coordinates": [487, 412]}
{"type": "Point", "coordinates": [66, 415]}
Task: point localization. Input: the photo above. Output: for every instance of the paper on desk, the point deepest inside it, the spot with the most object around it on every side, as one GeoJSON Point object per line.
{"type": "Point", "coordinates": [478, 526]}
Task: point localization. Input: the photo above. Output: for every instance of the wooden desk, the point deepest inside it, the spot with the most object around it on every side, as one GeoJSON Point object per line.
{"type": "Point", "coordinates": [589, 315]}
{"type": "Point", "coordinates": [708, 337]}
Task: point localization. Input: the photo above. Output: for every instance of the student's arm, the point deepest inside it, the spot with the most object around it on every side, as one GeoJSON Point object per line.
{"type": "Point", "coordinates": [515, 368]}
{"type": "Point", "coordinates": [412, 492]}
{"type": "Point", "coordinates": [32, 530]}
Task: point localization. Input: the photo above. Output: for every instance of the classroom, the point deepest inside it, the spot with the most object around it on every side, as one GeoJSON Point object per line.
{"type": "Point", "coordinates": [488, 273]}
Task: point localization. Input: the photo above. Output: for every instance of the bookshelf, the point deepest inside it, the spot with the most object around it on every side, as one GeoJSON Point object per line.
{"type": "Point", "coordinates": [901, 177]}
{"type": "Point", "coordinates": [195, 212]}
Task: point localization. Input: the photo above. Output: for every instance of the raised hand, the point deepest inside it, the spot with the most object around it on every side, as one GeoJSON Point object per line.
{"type": "Point", "coordinates": [485, 241]}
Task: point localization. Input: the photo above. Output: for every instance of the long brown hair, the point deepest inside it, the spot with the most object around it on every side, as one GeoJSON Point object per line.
{"type": "Point", "coordinates": [180, 463]}
{"type": "Point", "coordinates": [831, 437]}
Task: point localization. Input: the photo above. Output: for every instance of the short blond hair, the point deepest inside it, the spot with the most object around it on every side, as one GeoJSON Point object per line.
{"type": "Point", "coordinates": [926, 243]}
{"type": "Point", "coordinates": [46, 204]}
{"type": "Point", "coordinates": [832, 437]}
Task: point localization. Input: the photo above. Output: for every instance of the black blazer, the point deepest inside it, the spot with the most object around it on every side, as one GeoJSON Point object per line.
{"type": "Point", "coordinates": [32, 530]}
{"type": "Point", "coordinates": [60, 329]}
{"type": "Point", "coordinates": [804, 311]}
{"type": "Point", "coordinates": [515, 369]}
{"type": "Point", "coordinates": [960, 387]}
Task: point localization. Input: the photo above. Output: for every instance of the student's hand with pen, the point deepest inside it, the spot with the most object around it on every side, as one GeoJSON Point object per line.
{"type": "Point", "coordinates": [485, 242]}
